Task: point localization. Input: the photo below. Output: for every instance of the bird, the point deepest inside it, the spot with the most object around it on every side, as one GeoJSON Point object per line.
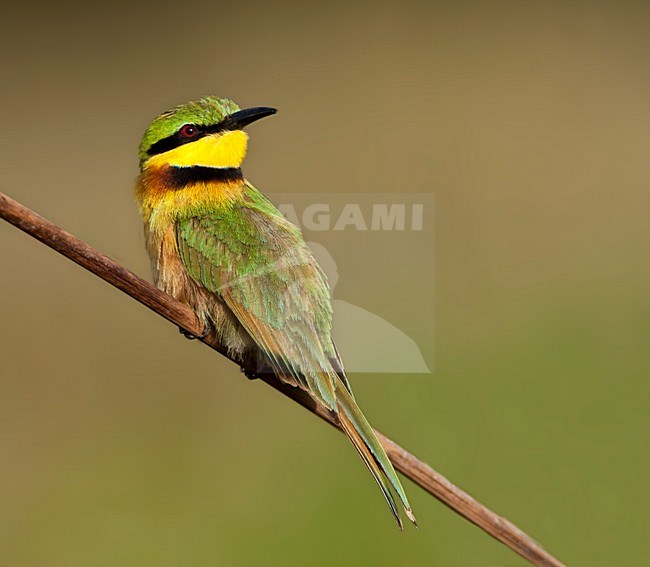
{"type": "Point", "coordinates": [220, 246]}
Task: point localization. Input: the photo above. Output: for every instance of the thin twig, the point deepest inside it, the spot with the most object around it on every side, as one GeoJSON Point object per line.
{"type": "Point", "coordinates": [181, 315]}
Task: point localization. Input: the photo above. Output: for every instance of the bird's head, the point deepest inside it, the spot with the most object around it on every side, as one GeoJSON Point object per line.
{"type": "Point", "coordinates": [206, 133]}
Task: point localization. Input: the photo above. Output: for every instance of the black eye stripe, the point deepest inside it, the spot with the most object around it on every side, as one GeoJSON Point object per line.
{"type": "Point", "coordinates": [177, 139]}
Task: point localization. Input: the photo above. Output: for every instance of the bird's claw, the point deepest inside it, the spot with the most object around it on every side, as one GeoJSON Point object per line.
{"type": "Point", "coordinates": [191, 337]}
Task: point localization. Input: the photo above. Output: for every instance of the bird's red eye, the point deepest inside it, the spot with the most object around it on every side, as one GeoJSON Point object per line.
{"type": "Point", "coordinates": [189, 131]}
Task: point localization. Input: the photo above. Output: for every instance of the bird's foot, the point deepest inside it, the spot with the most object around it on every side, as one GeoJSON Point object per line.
{"type": "Point", "coordinates": [191, 337]}
{"type": "Point", "coordinates": [248, 373]}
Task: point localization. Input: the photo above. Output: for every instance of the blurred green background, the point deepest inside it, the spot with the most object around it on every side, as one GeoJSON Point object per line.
{"type": "Point", "coordinates": [123, 444]}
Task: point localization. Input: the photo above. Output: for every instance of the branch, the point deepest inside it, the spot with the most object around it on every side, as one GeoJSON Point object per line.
{"type": "Point", "coordinates": [181, 315]}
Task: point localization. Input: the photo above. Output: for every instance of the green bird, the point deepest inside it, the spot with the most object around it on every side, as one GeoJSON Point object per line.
{"type": "Point", "coordinates": [220, 246]}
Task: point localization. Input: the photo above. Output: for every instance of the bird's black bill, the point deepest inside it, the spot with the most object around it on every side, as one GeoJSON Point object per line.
{"type": "Point", "coordinates": [235, 121]}
{"type": "Point", "coordinates": [242, 118]}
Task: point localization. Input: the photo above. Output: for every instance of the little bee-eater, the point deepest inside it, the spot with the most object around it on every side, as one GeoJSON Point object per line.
{"type": "Point", "coordinates": [219, 245]}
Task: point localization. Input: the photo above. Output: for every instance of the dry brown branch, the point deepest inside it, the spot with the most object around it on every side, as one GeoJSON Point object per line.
{"type": "Point", "coordinates": [181, 315]}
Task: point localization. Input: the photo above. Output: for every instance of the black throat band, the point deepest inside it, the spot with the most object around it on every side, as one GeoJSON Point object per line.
{"type": "Point", "coordinates": [179, 177]}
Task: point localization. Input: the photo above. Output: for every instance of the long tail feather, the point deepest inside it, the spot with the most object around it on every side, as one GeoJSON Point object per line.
{"type": "Point", "coordinates": [368, 458]}
{"type": "Point", "coordinates": [360, 432]}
